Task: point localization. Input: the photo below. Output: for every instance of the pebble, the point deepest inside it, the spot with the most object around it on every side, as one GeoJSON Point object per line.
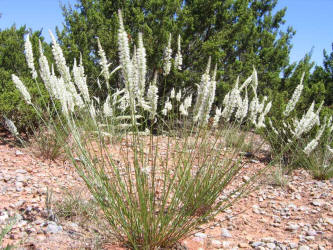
{"type": "Point", "coordinates": [292, 245]}
{"type": "Point", "coordinates": [53, 228]}
{"type": "Point", "coordinates": [201, 235]}
{"type": "Point", "coordinates": [245, 178]}
{"type": "Point", "coordinates": [18, 152]}
{"type": "Point", "coordinates": [216, 243]}
{"type": "Point", "coordinates": [243, 245]}
{"type": "Point", "coordinates": [304, 248]}
{"type": "Point", "coordinates": [225, 233]}
{"type": "Point", "coordinates": [292, 227]}
{"type": "Point", "coordinates": [270, 245]}
{"type": "Point", "coordinates": [226, 244]}
{"type": "Point", "coordinates": [3, 217]}
{"type": "Point", "coordinates": [257, 244]}
{"type": "Point", "coordinates": [329, 221]}
{"type": "Point", "coordinates": [310, 238]}
{"type": "Point", "coordinates": [316, 203]}
{"type": "Point", "coordinates": [21, 171]}
{"type": "Point", "coordinates": [268, 240]}
{"type": "Point", "coordinates": [311, 232]}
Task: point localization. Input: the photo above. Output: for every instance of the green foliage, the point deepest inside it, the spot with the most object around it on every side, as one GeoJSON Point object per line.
{"type": "Point", "coordinates": [6, 230]}
{"type": "Point", "coordinates": [12, 61]}
{"type": "Point", "coordinates": [236, 33]}
{"type": "Point", "coordinates": [324, 76]}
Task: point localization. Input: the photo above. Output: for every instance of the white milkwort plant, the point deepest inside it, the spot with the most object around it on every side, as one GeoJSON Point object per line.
{"type": "Point", "coordinates": [21, 87]}
{"type": "Point", "coordinates": [179, 95]}
{"type": "Point", "coordinates": [243, 108]}
{"type": "Point", "coordinates": [29, 57]}
{"type": "Point", "coordinates": [141, 66]}
{"type": "Point", "coordinates": [261, 119]}
{"type": "Point", "coordinates": [45, 73]}
{"type": "Point", "coordinates": [183, 109]}
{"type": "Point", "coordinates": [107, 109]}
{"type": "Point", "coordinates": [314, 142]}
{"type": "Point", "coordinates": [172, 93]}
{"type": "Point", "coordinates": [167, 107]}
{"type": "Point", "coordinates": [152, 96]}
{"type": "Point", "coordinates": [295, 97]}
{"type": "Point", "coordinates": [308, 120]}
{"type": "Point", "coordinates": [218, 113]}
{"type": "Point", "coordinates": [167, 55]}
{"type": "Point", "coordinates": [65, 74]}
{"type": "Point", "coordinates": [205, 96]}
{"type": "Point", "coordinates": [81, 80]}
{"type": "Point", "coordinates": [154, 196]}
{"type": "Point", "coordinates": [232, 101]}
{"type": "Point", "coordinates": [11, 126]}
{"type": "Point", "coordinates": [104, 63]}
{"type": "Point", "coordinates": [126, 62]}
{"type": "Point", "coordinates": [178, 57]}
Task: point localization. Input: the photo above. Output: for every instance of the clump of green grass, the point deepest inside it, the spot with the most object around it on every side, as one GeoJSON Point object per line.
{"type": "Point", "coordinates": [5, 230]}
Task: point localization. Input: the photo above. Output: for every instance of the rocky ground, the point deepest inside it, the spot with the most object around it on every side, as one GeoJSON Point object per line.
{"type": "Point", "coordinates": [297, 215]}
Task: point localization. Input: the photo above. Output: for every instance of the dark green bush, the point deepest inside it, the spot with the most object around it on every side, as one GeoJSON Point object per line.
{"type": "Point", "coordinates": [12, 61]}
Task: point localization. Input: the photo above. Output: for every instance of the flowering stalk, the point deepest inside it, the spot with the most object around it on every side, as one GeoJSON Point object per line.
{"type": "Point", "coordinates": [243, 108]}
{"type": "Point", "coordinates": [232, 101]}
{"type": "Point", "coordinates": [306, 123]}
{"type": "Point", "coordinates": [29, 57]}
{"type": "Point", "coordinates": [183, 109]}
{"type": "Point", "coordinates": [104, 63]}
{"type": "Point", "coordinates": [295, 97]}
{"type": "Point", "coordinates": [81, 80]}
{"type": "Point", "coordinates": [107, 110]}
{"type": "Point", "coordinates": [21, 87]}
{"type": "Point", "coordinates": [178, 57]}
{"type": "Point", "coordinates": [141, 66]}
{"type": "Point", "coordinates": [152, 96]}
{"type": "Point", "coordinates": [167, 58]}
{"type": "Point", "coordinates": [202, 94]}
{"type": "Point", "coordinates": [314, 143]}
{"type": "Point", "coordinates": [65, 74]}
{"type": "Point", "coordinates": [45, 70]}
{"type": "Point", "coordinates": [167, 107]}
{"type": "Point", "coordinates": [11, 126]}
{"type": "Point", "coordinates": [126, 63]}
{"type": "Point", "coordinates": [218, 113]}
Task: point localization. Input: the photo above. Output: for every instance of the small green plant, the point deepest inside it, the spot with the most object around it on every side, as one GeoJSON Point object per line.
{"type": "Point", "coordinates": [49, 142]}
{"type": "Point", "coordinates": [277, 176]}
{"type": "Point", "coordinates": [6, 230]}
{"type": "Point", "coordinates": [75, 207]}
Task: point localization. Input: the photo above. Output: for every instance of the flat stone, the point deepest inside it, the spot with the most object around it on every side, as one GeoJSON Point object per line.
{"type": "Point", "coordinates": [216, 243]}
{"type": "Point", "coordinates": [201, 235]}
{"type": "Point", "coordinates": [310, 238]}
{"type": "Point", "coordinates": [225, 244]}
{"type": "Point", "coordinates": [292, 245]}
{"type": "Point", "coordinates": [245, 178]}
{"type": "Point", "coordinates": [292, 227]}
{"type": "Point", "coordinates": [270, 245]}
{"type": "Point", "coordinates": [303, 248]}
{"type": "Point", "coordinates": [53, 228]}
{"type": "Point", "coordinates": [268, 240]}
{"type": "Point", "coordinates": [316, 203]}
{"type": "Point", "coordinates": [225, 233]}
{"type": "Point", "coordinates": [257, 244]}
{"type": "Point", "coordinates": [18, 153]}
{"type": "Point", "coordinates": [3, 217]}
{"type": "Point", "coordinates": [329, 221]}
{"type": "Point", "coordinates": [243, 245]}
{"type": "Point", "coordinates": [311, 232]}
